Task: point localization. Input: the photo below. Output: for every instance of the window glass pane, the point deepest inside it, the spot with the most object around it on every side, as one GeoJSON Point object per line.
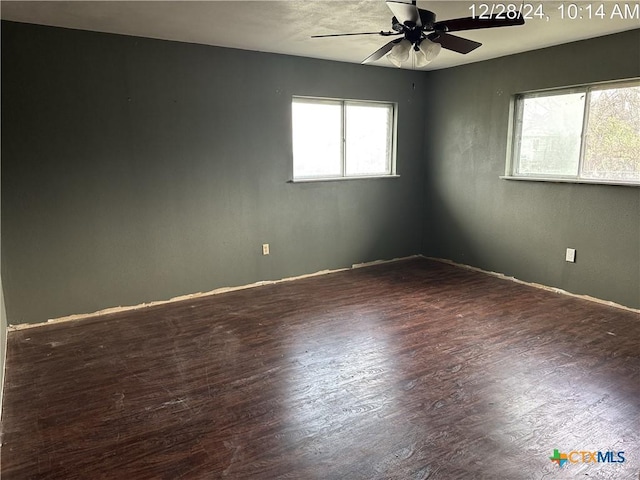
{"type": "Point", "coordinates": [551, 134]}
{"type": "Point", "coordinates": [612, 148]}
{"type": "Point", "coordinates": [317, 138]}
{"type": "Point", "coordinates": [368, 139]}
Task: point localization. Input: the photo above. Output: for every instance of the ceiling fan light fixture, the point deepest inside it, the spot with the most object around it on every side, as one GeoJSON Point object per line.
{"type": "Point", "coordinates": [400, 52]}
{"type": "Point", "coordinates": [427, 52]}
{"type": "Point", "coordinates": [414, 23]}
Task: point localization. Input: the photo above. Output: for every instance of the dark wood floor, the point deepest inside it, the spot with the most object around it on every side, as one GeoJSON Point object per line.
{"type": "Point", "coordinates": [409, 370]}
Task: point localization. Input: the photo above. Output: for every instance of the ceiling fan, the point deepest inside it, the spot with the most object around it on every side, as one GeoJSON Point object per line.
{"type": "Point", "coordinates": [414, 23]}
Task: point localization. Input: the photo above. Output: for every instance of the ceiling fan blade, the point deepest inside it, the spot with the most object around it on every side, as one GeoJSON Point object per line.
{"type": "Point", "coordinates": [453, 42]}
{"type": "Point", "coordinates": [475, 23]}
{"type": "Point", "coordinates": [405, 12]}
{"type": "Point", "coordinates": [381, 52]}
{"type": "Point", "coordinates": [384, 34]}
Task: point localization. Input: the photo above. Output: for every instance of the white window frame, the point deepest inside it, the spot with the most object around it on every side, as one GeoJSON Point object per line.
{"type": "Point", "coordinates": [515, 130]}
{"type": "Point", "coordinates": [391, 171]}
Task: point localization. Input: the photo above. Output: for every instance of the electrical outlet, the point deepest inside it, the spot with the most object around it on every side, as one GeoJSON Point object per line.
{"type": "Point", "coordinates": [265, 249]}
{"type": "Point", "coordinates": [570, 255]}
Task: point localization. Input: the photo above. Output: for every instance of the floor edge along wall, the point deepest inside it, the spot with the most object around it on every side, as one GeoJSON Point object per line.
{"type": "Point", "coordinates": [538, 285]}
{"type": "Point", "coordinates": [218, 291]}
{"type": "Point", "coordinates": [192, 296]}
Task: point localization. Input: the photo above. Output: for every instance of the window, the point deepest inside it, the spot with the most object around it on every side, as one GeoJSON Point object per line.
{"type": "Point", "coordinates": [342, 139]}
{"type": "Point", "coordinates": [589, 134]}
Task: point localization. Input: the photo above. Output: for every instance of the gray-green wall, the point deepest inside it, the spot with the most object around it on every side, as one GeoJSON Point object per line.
{"type": "Point", "coordinates": [523, 228]}
{"type": "Point", "coordinates": [136, 170]}
{"type": "Point", "coordinates": [3, 319]}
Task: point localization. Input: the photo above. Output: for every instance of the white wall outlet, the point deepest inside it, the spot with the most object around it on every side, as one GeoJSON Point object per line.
{"type": "Point", "coordinates": [265, 249]}
{"type": "Point", "coordinates": [570, 255]}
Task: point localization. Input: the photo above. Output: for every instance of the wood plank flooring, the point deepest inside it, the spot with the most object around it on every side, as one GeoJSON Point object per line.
{"type": "Point", "coordinates": [408, 370]}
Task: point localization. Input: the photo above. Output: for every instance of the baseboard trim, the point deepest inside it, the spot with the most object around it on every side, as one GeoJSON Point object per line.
{"type": "Point", "coordinates": [535, 285]}
{"type": "Point", "coordinates": [192, 296]}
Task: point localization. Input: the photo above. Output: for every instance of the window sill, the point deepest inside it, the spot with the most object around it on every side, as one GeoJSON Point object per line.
{"type": "Point", "coordinates": [570, 180]}
{"type": "Point", "coordinates": [339, 179]}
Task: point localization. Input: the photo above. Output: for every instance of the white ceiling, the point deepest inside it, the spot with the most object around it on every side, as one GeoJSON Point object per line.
{"type": "Point", "coordinates": [285, 26]}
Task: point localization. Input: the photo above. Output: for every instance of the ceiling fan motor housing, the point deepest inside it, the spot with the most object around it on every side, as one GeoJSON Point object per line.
{"type": "Point", "coordinates": [427, 19]}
